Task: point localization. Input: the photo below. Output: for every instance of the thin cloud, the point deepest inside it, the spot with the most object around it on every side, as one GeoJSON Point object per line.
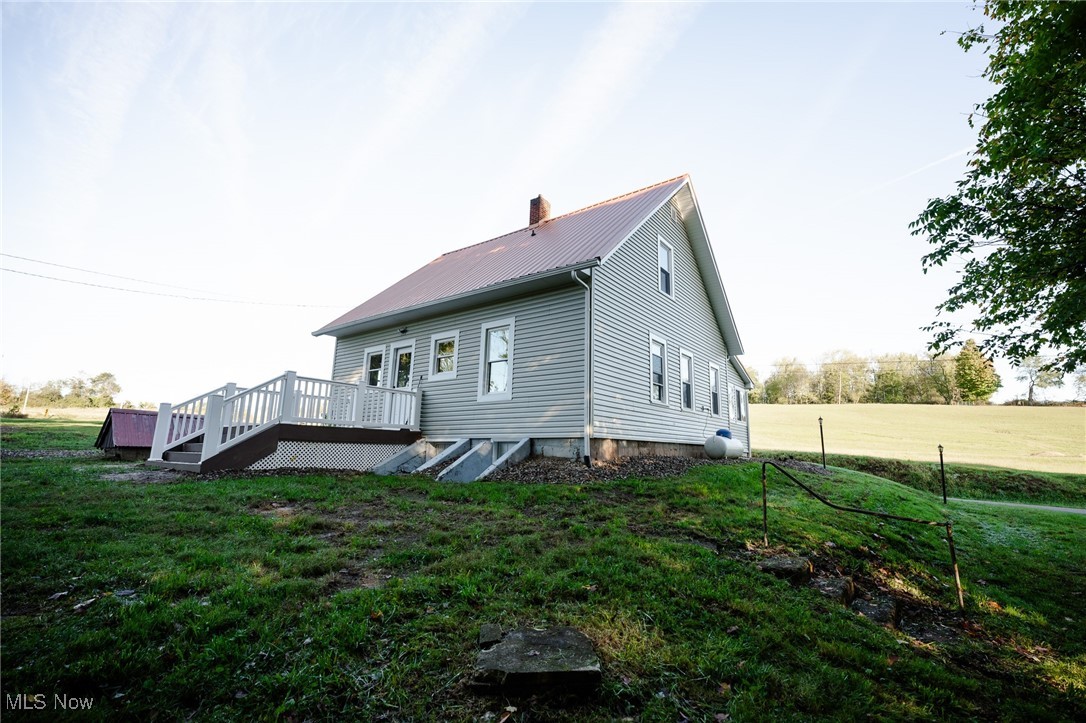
{"type": "Point", "coordinates": [421, 90]}
{"type": "Point", "coordinates": [612, 66]}
{"type": "Point", "coordinates": [898, 179]}
{"type": "Point", "coordinates": [105, 65]}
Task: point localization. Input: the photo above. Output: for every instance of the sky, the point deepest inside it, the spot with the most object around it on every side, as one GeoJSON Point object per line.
{"type": "Point", "coordinates": [189, 190]}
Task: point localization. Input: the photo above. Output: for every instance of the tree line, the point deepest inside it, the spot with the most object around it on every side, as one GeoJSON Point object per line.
{"type": "Point", "coordinates": [847, 378]}
{"type": "Point", "coordinates": [78, 391]}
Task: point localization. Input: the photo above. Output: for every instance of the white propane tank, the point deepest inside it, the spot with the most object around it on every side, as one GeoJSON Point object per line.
{"type": "Point", "coordinates": [718, 447]}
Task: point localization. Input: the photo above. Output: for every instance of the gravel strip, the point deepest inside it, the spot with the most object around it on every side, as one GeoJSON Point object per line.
{"type": "Point", "coordinates": [553, 470]}
{"type": "Point", "coordinates": [45, 453]}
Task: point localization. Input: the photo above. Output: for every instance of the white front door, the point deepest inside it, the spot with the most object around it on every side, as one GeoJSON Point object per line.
{"type": "Point", "coordinates": [400, 406]}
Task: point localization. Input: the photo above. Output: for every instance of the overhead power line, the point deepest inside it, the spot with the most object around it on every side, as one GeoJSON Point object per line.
{"type": "Point", "coordinates": [173, 296]}
{"type": "Point", "coordinates": [101, 273]}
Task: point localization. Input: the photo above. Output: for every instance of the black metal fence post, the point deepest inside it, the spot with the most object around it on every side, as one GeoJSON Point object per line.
{"type": "Point", "coordinates": [942, 472]}
{"type": "Point", "coordinates": [823, 438]}
{"type": "Point", "coordinates": [947, 524]}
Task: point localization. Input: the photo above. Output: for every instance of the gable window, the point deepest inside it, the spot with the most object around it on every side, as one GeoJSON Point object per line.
{"type": "Point", "coordinates": [666, 256]}
{"type": "Point", "coordinates": [658, 370]}
{"type": "Point", "coordinates": [496, 360]}
{"type": "Point", "coordinates": [375, 362]}
{"type": "Point", "coordinates": [739, 410]}
{"type": "Point", "coordinates": [443, 349]}
{"type": "Point", "coordinates": [714, 390]}
{"type": "Point", "coordinates": [686, 379]}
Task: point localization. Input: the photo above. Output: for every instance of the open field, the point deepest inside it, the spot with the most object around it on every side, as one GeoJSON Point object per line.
{"type": "Point", "coordinates": [326, 597]}
{"type": "Point", "coordinates": [978, 482]}
{"type": "Point", "coordinates": [86, 414]}
{"type": "Point", "coordinates": [1046, 439]}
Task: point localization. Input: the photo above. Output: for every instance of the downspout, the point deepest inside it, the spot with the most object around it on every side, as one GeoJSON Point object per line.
{"type": "Point", "coordinates": [750, 436]}
{"type": "Point", "coordinates": [587, 449]}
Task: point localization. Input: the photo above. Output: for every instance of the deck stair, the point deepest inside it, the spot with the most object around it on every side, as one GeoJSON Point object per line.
{"type": "Point", "coordinates": [231, 427]}
{"type": "Point", "coordinates": [186, 458]}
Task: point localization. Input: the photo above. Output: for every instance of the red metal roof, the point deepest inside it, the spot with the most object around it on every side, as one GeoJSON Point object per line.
{"type": "Point", "coordinates": [128, 427]}
{"type": "Point", "coordinates": [551, 245]}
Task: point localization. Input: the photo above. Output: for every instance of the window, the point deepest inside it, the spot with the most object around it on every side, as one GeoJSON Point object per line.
{"type": "Point", "coordinates": [496, 361]}
{"type": "Point", "coordinates": [714, 390]}
{"type": "Point", "coordinates": [375, 362]}
{"type": "Point", "coordinates": [686, 379]}
{"type": "Point", "coordinates": [740, 409]}
{"type": "Point", "coordinates": [658, 370]}
{"type": "Point", "coordinates": [443, 348]}
{"type": "Point", "coordinates": [665, 255]}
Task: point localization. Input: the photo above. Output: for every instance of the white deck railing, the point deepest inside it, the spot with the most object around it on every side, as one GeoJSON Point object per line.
{"type": "Point", "coordinates": [287, 399]}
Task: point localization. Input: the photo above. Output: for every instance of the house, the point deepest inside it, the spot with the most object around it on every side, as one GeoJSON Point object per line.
{"type": "Point", "coordinates": [599, 333]}
{"type": "Point", "coordinates": [596, 334]}
{"type": "Point", "coordinates": [127, 433]}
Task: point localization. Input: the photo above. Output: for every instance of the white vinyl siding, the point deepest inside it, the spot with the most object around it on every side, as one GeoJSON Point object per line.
{"type": "Point", "coordinates": [547, 369]}
{"type": "Point", "coordinates": [628, 308]}
{"type": "Point", "coordinates": [740, 427]}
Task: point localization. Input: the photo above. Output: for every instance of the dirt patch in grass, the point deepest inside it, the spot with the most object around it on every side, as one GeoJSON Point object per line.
{"type": "Point", "coordinates": [146, 476]}
{"type": "Point", "coordinates": [356, 577]}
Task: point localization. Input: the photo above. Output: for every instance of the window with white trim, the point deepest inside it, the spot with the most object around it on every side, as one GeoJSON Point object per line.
{"type": "Point", "coordinates": [714, 390]}
{"type": "Point", "coordinates": [666, 257]}
{"type": "Point", "coordinates": [443, 351]}
{"type": "Point", "coordinates": [496, 360]}
{"type": "Point", "coordinates": [657, 370]}
{"type": "Point", "coordinates": [375, 363]}
{"type": "Point", "coordinates": [739, 408]}
{"type": "Point", "coordinates": [686, 379]}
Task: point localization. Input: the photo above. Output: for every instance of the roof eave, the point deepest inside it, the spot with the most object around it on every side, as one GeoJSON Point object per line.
{"type": "Point", "coordinates": [714, 285]}
{"type": "Point", "coordinates": [703, 252]}
{"type": "Point", "coordinates": [543, 280]}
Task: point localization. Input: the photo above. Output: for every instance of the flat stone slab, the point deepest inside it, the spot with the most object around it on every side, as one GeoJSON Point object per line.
{"type": "Point", "coordinates": [561, 657]}
{"type": "Point", "coordinates": [881, 609]}
{"type": "Point", "coordinates": [840, 589]}
{"type": "Point", "coordinates": [489, 635]}
{"type": "Point", "coordinates": [796, 570]}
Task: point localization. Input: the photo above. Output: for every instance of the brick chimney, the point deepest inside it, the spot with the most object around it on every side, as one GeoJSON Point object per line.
{"type": "Point", "coordinates": [540, 210]}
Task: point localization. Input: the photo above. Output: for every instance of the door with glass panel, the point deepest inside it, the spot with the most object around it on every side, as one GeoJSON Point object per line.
{"type": "Point", "coordinates": [401, 407]}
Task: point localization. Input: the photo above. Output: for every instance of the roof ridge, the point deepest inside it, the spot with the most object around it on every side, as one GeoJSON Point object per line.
{"type": "Point", "coordinates": [570, 213]}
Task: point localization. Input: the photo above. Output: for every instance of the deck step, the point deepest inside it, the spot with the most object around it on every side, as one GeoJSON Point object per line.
{"type": "Point", "coordinates": [185, 457]}
{"type": "Point", "coordinates": [192, 447]}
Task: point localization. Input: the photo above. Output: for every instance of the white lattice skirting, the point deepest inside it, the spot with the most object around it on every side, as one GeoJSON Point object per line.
{"type": "Point", "coordinates": [326, 455]}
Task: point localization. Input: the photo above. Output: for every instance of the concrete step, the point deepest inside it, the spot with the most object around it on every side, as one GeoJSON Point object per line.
{"type": "Point", "coordinates": [185, 457]}
{"type": "Point", "coordinates": [483, 460]}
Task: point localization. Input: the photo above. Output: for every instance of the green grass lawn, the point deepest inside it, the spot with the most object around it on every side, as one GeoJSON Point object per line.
{"type": "Point", "coordinates": [55, 433]}
{"type": "Point", "coordinates": [963, 480]}
{"type": "Point", "coordinates": [359, 597]}
{"type": "Point", "coordinates": [1044, 439]}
